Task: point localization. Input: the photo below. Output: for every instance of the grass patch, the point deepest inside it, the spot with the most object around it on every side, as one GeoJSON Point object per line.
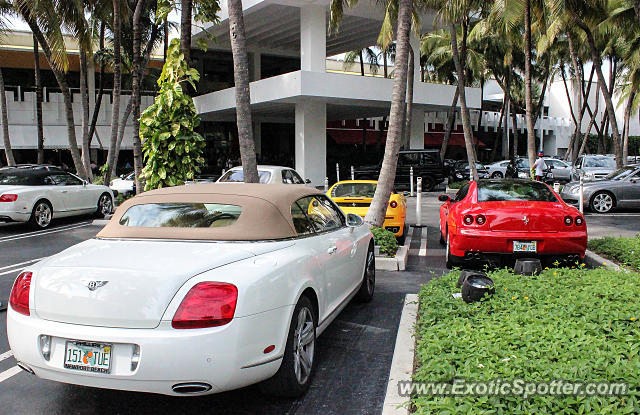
{"type": "Point", "coordinates": [623, 250]}
{"type": "Point", "coordinates": [571, 324]}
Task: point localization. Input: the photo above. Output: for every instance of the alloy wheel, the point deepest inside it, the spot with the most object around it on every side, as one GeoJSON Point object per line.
{"type": "Point", "coordinates": [602, 202]}
{"type": "Point", "coordinates": [43, 215]}
{"type": "Point", "coordinates": [303, 345]}
{"type": "Point", "coordinates": [370, 276]}
{"type": "Point", "coordinates": [105, 205]}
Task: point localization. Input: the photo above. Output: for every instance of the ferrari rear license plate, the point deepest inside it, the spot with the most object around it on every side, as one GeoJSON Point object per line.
{"type": "Point", "coordinates": [520, 246]}
{"type": "Point", "coordinates": [88, 356]}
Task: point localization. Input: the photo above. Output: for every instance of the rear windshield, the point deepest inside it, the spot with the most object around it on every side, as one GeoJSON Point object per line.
{"type": "Point", "coordinates": [237, 176]}
{"type": "Point", "coordinates": [514, 191]}
{"type": "Point", "coordinates": [354, 190]}
{"type": "Point", "coordinates": [181, 215]}
{"type": "Point", "coordinates": [20, 179]}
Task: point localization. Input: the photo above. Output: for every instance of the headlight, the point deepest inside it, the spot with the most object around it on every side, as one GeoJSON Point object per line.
{"type": "Point", "coordinates": [523, 175]}
{"type": "Point", "coordinates": [459, 175]}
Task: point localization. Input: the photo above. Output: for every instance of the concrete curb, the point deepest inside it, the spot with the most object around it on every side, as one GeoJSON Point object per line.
{"type": "Point", "coordinates": [100, 222]}
{"type": "Point", "coordinates": [396, 263]}
{"type": "Point", "coordinates": [402, 363]}
{"type": "Point", "coordinates": [596, 261]}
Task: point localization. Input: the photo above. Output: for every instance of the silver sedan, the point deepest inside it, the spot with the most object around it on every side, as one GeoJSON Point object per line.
{"type": "Point", "coordinates": [620, 189]}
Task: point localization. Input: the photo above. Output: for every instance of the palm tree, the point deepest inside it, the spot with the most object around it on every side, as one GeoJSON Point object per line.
{"type": "Point", "coordinates": [185, 29]}
{"type": "Point", "coordinates": [38, 79]}
{"type": "Point", "coordinates": [6, 8]}
{"type": "Point", "coordinates": [117, 84]}
{"type": "Point", "coordinates": [243, 99]}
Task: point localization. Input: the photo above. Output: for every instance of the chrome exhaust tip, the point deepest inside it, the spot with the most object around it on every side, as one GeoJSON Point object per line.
{"type": "Point", "coordinates": [191, 388]}
{"type": "Point", "coordinates": [25, 368]}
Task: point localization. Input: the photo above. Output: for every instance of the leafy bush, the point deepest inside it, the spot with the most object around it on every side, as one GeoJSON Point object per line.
{"type": "Point", "coordinates": [172, 148]}
{"type": "Point", "coordinates": [386, 240]}
{"type": "Point", "coordinates": [624, 250]}
{"type": "Point", "coordinates": [577, 325]}
{"type": "Point", "coordinates": [457, 185]}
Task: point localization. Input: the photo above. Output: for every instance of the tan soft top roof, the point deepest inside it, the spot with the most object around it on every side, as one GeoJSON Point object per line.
{"type": "Point", "coordinates": [266, 212]}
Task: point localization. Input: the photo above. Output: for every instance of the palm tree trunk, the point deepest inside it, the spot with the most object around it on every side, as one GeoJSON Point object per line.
{"type": "Point", "coordinates": [531, 132]}
{"type": "Point", "coordinates": [466, 121]}
{"type": "Point", "coordinates": [185, 29]}
{"type": "Point", "coordinates": [385, 64]}
{"type": "Point", "coordinates": [375, 215]}
{"type": "Point", "coordinates": [84, 97]}
{"type": "Point", "coordinates": [627, 117]}
{"type": "Point", "coordinates": [516, 133]}
{"type": "Point", "coordinates": [636, 8]}
{"type": "Point", "coordinates": [451, 119]}
{"type": "Point", "coordinates": [496, 141]}
{"type": "Point", "coordinates": [135, 95]}
{"type": "Point", "coordinates": [580, 80]}
{"type": "Point", "coordinates": [381, 125]}
{"type": "Point", "coordinates": [38, 78]}
{"type": "Point", "coordinates": [586, 136]}
{"type": "Point", "coordinates": [243, 98]}
{"type": "Point", "coordinates": [571, 150]}
{"type": "Point", "coordinates": [409, 111]}
{"type": "Point", "coordinates": [98, 104]}
{"type": "Point", "coordinates": [597, 62]}
{"type": "Point", "coordinates": [361, 63]}
{"type": "Point", "coordinates": [165, 45]}
{"type": "Point", "coordinates": [8, 152]}
{"type": "Point", "coordinates": [117, 84]}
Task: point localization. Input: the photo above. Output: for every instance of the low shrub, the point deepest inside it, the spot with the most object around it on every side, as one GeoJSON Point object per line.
{"type": "Point", "coordinates": [575, 325]}
{"type": "Point", "coordinates": [623, 250]}
{"type": "Point", "coordinates": [386, 240]}
{"type": "Point", "coordinates": [457, 185]}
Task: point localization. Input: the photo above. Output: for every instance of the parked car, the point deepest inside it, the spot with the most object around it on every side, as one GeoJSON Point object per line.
{"type": "Point", "coordinates": [620, 189]}
{"type": "Point", "coordinates": [496, 221]}
{"type": "Point", "coordinates": [216, 287]}
{"type": "Point", "coordinates": [518, 168]}
{"type": "Point", "coordinates": [557, 171]}
{"type": "Point", "coordinates": [498, 169]}
{"type": "Point", "coordinates": [267, 174]}
{"type": "Point", "coordinates": [124, 185]}
{"type": "Point", "coordinates": [461, 171]}
{"type": "Point", "coordinates": [38, 194]}
{"type": "Point", "coordinates": [426, 164]}
{"type": "Point", "coordinates": [594, 167]}
{"type": "Point", "coordinates": [355, 196]}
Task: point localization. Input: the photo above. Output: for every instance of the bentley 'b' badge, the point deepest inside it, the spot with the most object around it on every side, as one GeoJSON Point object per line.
{"type": "Point", "coordinates": [94, 285]}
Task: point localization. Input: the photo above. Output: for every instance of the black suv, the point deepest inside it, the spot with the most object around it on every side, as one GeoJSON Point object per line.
{"type": "Point", "coordinates": [426, 164]}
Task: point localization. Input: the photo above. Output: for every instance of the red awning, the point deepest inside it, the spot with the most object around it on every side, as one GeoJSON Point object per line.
{"type": "Point", "coordinates": [431, 139]}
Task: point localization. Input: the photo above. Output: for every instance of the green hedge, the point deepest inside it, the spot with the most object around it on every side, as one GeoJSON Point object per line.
{"type": "Point", "coordinates": [623, 250]}
{"type": "Point", "coordinates": [457, 185]}
{"type": "Point", "coordinates": [570, 324]}
{"type": "Point", "coordinates": [386, 240]}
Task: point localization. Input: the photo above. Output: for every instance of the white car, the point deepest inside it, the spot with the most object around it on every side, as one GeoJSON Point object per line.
{"type": "Point", "coordinates": [497, 170]}
{"type": "Point", "coordinates": [37, 194]}
{"type": "Point", "coordinates": [124, 185]}
{"type": "Point", "coordinates": [267, 174]}
{"type": "Point", "coordinates": [217, 287]}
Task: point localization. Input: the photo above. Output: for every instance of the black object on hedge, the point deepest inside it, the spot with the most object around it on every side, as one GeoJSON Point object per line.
{"type": "Point", "coordinates": [527, 266]}
{"type": "Point", "coordinates": [468, 272]}
{"type": "Point", "coordinates": [475, 287]}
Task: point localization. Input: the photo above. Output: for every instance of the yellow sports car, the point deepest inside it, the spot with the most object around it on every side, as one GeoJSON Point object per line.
{"type": "Point", "coordinates": [354, 196]}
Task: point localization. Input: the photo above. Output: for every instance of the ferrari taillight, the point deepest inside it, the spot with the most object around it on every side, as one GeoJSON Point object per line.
{"type": "Point", "coordinates": [19, 298]}
{"type": "Point", "coordinates": [468, 219]}
{"type": "Point", "coordinates": [579, 220]}
{"type": "Point", "coordinates": [481, 220]}
{"type": "Point", "coordinates": [207, 304]}
{"type": "Point", "coordinates": [393, 204]}
{"type": "Point", "coordinates": [568, 220]}
{"type": "Point", "coordinates": [8, 197]}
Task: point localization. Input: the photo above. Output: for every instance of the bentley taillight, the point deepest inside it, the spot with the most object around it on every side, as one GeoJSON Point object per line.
{"type": "Point", "coordinates": [8, 197]}
{"type": "Point", "coordinates": [19, 298]}
{"type": "Point", "coordinates": [207, 304]}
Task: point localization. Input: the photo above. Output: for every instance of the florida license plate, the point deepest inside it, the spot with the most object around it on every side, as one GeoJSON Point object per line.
{"type": "Point", "coordinates": [88, 356]}
{"type": "Point", "coordinates": [520, 246]}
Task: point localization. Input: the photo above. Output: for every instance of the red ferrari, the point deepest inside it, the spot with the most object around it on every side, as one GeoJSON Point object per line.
{"type": "Point", "coordinates": [496, 221]}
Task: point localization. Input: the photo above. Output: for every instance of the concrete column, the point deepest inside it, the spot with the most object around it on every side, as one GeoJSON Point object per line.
{"type": "Point", "coordinates": [416, 135]}
{"type": "Point", "coordinates": [313, 38]}
{"type": "Point", "coordinates": [91, 84]}
{"type": "Point", "coordinates": [311, 140]}
{"type": "Point", "coordinates": [257, 136]}
{"type": "Point", "coordinates": [256, 68]}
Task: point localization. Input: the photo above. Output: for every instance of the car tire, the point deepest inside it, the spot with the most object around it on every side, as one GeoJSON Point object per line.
{"type": "Point", "coordinates": [368, 285]}
{"type": "Point", "coordinates": [105, 205]}
{"type": "Point", "coordinates": [451, 262]}
{"type": "Point", "coordinates": [602, 202]}
{"type": "Point", "coordinates": [294, 376]}
{"type": "Point", "coordinates": [442, 241]}
{"type": "Point", "coordinates": [497, 175]}
{"type": "Point", "coordinates": [41, 215]}
{"type": "Point", "coordinates": [428, 184]}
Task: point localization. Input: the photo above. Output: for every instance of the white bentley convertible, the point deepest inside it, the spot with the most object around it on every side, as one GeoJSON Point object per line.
{"type": "Point", "coordinates": [36, 194]}
{"type": "Point", "coordinates": [219, 286]}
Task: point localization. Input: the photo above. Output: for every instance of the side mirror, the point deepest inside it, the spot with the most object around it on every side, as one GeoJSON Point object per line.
{"type": "Point", "coordinates": [353, 220]}
{"type": "Point", "coordinates": [307, 181]}
{"type": "Point", "coordinates": [444, 198]}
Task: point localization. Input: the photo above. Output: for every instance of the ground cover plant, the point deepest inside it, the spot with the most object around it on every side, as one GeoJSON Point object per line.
{"type": "Point", "coordinates": [623, 250]}
{"type": "Point", "coordinates": [576, 325]}
{"type": "Point", "coordinates": [386, 240]}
